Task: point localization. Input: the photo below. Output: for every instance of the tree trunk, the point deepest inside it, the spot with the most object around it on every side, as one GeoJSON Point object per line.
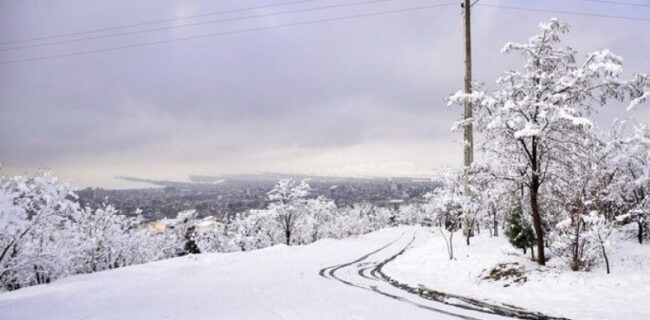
{"type": "Point", "coordinates": [534, 205]}
{"type": "Point", "coordinates": [451, 246]}
{"type": "Point", "coordinates": [532, 251]}
{"type": "Point", "coordinates": [605, 257]}
{"type": "Point", "coordinates": [640, 232]}
{"type": "Point", "coordinates": [496, 224]}
{"type": "Point", "coordinates": [469, 230]}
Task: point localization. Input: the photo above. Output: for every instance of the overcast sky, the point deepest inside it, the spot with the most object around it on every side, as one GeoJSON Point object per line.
{"type": "Point", "coordinates": [363, 96]}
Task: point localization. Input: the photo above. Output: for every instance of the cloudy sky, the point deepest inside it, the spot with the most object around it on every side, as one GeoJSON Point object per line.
{"type": "Point", "coordinates": [363, 96]}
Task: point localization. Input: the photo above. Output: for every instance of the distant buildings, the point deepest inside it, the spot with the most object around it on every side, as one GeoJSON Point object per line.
{"type": "Point", "coordinates": [225, 199]}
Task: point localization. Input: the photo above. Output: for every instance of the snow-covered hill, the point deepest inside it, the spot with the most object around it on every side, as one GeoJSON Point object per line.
{"type": "Point", "coordinates": [275, 283]}
{"type": "Point", "coordinates": [332, 279]}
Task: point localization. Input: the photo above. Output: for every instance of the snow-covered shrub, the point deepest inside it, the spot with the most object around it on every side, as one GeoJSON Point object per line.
{"type": "Point", "coordinates": [321, 214]}
{"type": "Point", "coordinates": [184, 228]}
{"type": "Point", "coordinates": [410, 214]}
{"type": "Point", "coordinates": [213, 237]}
{"type": "Point", "coordinates": [583, 240]}
{"type": "Point", "coordinates": [254, 229]}
{"type": "Point", "coordinates": [98, 239]}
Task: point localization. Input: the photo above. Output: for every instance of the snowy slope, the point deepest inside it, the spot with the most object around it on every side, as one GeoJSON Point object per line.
{"type": "Point", "coordinates": [274, 283]}
{"type": "Point", "coordinates": [623, 294]}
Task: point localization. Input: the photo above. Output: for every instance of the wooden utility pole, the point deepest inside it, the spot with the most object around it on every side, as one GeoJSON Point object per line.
{"type": "Point", "coordinates": [468, 135]}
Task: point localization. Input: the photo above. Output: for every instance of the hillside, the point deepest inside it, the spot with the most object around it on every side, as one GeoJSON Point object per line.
{"type": "Point", "coordinates": [279, 282]}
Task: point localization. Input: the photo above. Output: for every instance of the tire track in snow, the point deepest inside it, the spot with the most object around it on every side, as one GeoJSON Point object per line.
{"type": "Point", "coordinates": [456, 300]}
{"type": "Point", "coordinates": [330, 273]}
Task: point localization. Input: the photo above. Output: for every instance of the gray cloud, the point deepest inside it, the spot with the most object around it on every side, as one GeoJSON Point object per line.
{"type": "Point", "coordinates": [335, 97]}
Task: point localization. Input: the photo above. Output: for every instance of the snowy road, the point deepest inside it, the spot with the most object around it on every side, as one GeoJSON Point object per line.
{"type": "Point", "coordinates": [363, 273]}
{"type": "Point", "coordinates": [330, 279]}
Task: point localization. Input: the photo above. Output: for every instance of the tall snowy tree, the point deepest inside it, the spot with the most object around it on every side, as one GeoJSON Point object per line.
{"type": "Point", "coordinates": [540, 110]}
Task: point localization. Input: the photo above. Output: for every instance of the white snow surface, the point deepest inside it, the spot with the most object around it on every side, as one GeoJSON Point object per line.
{"type": "Point", "coordinates": [279, 282]}
{"type": "Point", "coordinates": [552, 290]}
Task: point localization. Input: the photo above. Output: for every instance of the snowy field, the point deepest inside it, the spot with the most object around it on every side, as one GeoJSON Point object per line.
{"type": "Point", "coordinates": [334, 279]}
{"type": "Point", "coordinates": [623, 294]}
{"type": "Point", "coordinates": [274, 283]}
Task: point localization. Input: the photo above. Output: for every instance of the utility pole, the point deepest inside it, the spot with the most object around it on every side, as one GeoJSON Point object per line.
{"type": "Point", "coordinates": [468, 135]}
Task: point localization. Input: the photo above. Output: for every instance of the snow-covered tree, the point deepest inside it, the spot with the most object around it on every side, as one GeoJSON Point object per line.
{"type": "Point", "coordinates": [449, 206]}
{"type": "Point", "coordinates": [99, 238]}
{"type": "Point", "coordinates": [289, 206]}
{"type": "Point", "coordinates": [322, 214]}
{"type": "Point", "coordinates": [538, 111]}
{"type": "Point", "coordinates": [33, 208]}
{"type": "Point", "coordinates": [581, 193]}
{"type": "Point", "coordinates": [632, 162]}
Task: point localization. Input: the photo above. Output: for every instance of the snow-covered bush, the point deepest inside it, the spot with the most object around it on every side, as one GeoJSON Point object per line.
{"type": "Point", "coordinates": [410, 214]}
{"type": "Point", "coordinates": [184, 228]}
{"type": "Point", "coordinates": [254, 229]}
{"type": "Point", "coordinates": [321, 215]}
{"type": "Point", "coordinates": [213, 236]}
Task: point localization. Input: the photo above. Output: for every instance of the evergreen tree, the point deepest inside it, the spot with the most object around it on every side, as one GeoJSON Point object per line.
{"type": "Point", "coordinates": [518, 229]}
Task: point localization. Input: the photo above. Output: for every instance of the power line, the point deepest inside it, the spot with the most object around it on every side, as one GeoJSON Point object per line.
{"type": "Point", "coordinates": [565, 12]}
{"type": "Point", "coordinates": [618, 3]}
{"type": "Point", "coordinates": [62, 35]}
{"type": "Point", "coordinates": [195, 24]}
{"type": "Point", "coordinates": [151, 43]}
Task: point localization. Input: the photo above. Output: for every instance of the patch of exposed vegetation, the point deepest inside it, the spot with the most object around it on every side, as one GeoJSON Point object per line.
{"type": "Point", "coordinates": [511, 273]}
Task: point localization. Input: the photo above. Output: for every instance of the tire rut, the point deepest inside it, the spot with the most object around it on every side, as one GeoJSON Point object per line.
{"type": "Point", "coordinates": [456, 300]}
{"type": "Point", "coordinates": [330, 273]}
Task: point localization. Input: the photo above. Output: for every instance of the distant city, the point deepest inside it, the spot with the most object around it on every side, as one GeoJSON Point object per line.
{"type": "Point", "coordinates": [225, 196]}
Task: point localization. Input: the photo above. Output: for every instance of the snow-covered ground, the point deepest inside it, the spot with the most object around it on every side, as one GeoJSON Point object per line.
{"type": "Point", "coordinates": [623, 294]}
{"type": "Point", "coordinates": [336, 279]}
{"type": "Point", "coordinates": [274, 283]}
